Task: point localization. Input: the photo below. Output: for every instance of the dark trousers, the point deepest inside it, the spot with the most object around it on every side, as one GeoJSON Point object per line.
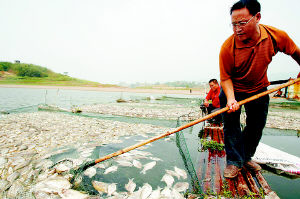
{"type": "Point", "coordinates": [240, 145]}
{"type": "Point", "coordinates": [210, 108]}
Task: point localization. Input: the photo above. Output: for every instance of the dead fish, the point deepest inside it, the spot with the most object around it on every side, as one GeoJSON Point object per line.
{"type": "Point", "coordinates": [77, 181]}
{"type": "Point", "coordinates": [125, 157]}
{"type": "Point", "coordinates": [14, 190]}
{"type": "Point", "coordinates": [137, 157]}
{"type": "Point", "coordinates": [155, 194]}
{"type": "Point", "coordinates": [137, 164]}
{"type": "Point", "coordinates": [53, 185]}
{"type": "Point", "coordinates": [124, 163]}
{"type": "Point", "coordinates": [155, 159]}
{"type": "Point", "coordinates": [111, 188]}
{"type": "Point", "coordinates": [181, 186]}
{"type": "Point", "coordinates": [12, 177]}
{"type": "Point", "coordinates": [90, 172]}
{"type": "Point", "coordinates": [146, 191]}
{"type": "Point", "coordinates": [166, 192]}
{"type": "Point", "coordinates": [4, 184]}
{"type": "Point", "coordinates": [130, 186]}
{"type": "Point", "coordinates": [148, 166]}
{"type": "Point", "coordinates": [176, 194]}
{"type": "Point", "coordinates": [22, 164]}
{"type": "Point", "coordinates": [110, 169]}
{"type": "Point", "coordinates": [61, 168]}
{"type": "Point", "coordinates": [142, 153]}
{"type": "Point", "coordinates": [172, 173]}
{"type": "Point", "coordinates": [181, 172]}
{"type": "Point", "coordinates": [2, 162]}
{"type": "Point", "coordinates": [77, 162]}
{"type": "Point", "coordinates": [143, 147]}
{"type": "Point", "coordinates": [85, 155]}
{"type": "Point", "coordinates": [101, 187]}
{"type": "Point", "coordinates": [136, 194]}
{"type": "Point", "coordinates": [71, 194]}
{"type": "Point", "coordinates": [100, 166]}
{"type": "Point", "coordinates": [168, 179]}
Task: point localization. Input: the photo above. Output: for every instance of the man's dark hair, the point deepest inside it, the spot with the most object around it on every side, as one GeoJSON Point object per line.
{"type": "Point", "coordinates": [214, 81]}
{"type": "Point", "coordinates": [252, 5]}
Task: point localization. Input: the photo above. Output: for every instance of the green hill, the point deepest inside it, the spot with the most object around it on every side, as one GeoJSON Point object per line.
{"type": "Point", "coordinates": [30, 74]}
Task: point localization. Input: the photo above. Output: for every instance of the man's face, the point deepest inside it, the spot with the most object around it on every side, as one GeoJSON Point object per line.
{"type": "Point", "coordinates": [213, 86]}
{"type": "Point", "coordinates": [244, 32]}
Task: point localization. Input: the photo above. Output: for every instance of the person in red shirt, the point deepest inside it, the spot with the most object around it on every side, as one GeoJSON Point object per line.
{"type": "Point", "coordinates": [212, 101]}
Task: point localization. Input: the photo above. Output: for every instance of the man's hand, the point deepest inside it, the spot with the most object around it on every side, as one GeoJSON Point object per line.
{"type": "Point", "coordinates": [206, 103]}
{"type": "Point", "coordinates": [232, 105]}
{"type": "Point", "coordinates": [229, 92]}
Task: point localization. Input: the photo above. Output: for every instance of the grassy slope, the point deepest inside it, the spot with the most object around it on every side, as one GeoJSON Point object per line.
{"type": "Point", "coordinates": [52, 79]}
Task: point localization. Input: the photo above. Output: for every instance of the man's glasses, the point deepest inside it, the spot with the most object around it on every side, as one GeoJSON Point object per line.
{"type": "Point", "coordinates": [241, 23]}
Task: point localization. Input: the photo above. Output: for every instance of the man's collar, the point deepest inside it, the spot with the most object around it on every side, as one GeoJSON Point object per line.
{"type": "Point", "coordinates": [263, 35]}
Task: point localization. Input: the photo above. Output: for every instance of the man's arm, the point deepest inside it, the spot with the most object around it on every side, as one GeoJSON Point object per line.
{"type": "Point", "coordinates": [227, 87]}
{"type": "Point", "coordinates": [296, 55]}
{"type": "Point", "coordinates": [208, 97]}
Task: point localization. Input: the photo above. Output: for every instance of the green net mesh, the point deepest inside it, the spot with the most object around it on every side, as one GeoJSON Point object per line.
{"type": "Point", "coordinates": [188, 163]}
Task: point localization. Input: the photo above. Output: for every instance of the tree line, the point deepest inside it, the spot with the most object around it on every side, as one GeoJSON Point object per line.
{"type": "Point", "coordinates": [24, 70]}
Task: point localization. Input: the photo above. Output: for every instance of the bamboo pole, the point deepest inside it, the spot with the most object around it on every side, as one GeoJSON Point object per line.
{"type": "Point", "coordinates": [127, 149]}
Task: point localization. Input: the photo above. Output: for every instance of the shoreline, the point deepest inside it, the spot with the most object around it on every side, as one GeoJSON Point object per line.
{"type": "Point", "coordinates": [108, 89]}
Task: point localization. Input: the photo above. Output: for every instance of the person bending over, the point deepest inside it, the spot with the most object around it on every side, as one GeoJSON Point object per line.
{"type": "Point", "coordinates": [244, 59]}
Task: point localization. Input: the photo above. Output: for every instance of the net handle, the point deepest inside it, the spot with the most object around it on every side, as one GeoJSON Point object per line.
{"type": "Point", "coordinates": [254, 97]}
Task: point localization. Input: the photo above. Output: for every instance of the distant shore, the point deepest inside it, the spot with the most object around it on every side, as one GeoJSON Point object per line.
{"type": "Point", "coordinates": [111, 89]}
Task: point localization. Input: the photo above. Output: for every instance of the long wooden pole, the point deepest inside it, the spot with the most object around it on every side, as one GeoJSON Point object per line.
{"type": "Point", "coordinates": [194, 122]}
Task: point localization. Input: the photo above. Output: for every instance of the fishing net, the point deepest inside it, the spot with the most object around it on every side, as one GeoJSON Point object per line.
{"type": "Point", "coordinates": [82, 182]}
{"type": "Point", "coordinates": [184, 152]}
{"type": "Point", "coordinates": [30, 108]}
{"type": "Point", "coordinates": [185, 160]}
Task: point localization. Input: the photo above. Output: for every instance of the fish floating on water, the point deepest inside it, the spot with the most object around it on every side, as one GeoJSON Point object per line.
{"type": "Point", "coordinates": [166, 193]}
{"type": "Point", "coordinates": [71, 194]}
{"type": "Point", "coordinates": [101, 187]}
{"type": "Point", "coordinates": [180, 172]}
{"type": "Point", "coordinates": [155, 159]}
{"type": "Point", "coordinates": [90, 172]}
{"type": "Point", "coordinates": [155, 194]}
{"type": "Point", "coordinates": [124, 163]}
{"type": "Point", "coordinates": [168, 179]}
{"type": "Point", "coordinates": [146, 191]}
{"type": "Point", "coordinates": [148, 166]}
{"type": "Point", "coordinates": [173, 173]}
{"type": "Point", "coordinates": [111, 188]}
{"type": "Point", "coordinates": [176, 194]}
{"type": "Point", "coordinates": [181, 186]}
{"type": "Point", "coordinates": [137, 164]}
{"type": "Point", "coordinates": [130, 186]}
{"type": "Point", "coordinates": [100, 166]}
{"type": "Point", "coordinates": [110, 169]}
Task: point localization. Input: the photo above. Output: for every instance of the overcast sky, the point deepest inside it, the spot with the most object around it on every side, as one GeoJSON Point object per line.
{"type": "Point", "coordinates": [112, 41]}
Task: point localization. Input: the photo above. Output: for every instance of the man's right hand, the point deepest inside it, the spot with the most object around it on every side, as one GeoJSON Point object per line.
{"type": "Point", "coordinates": [206, 103]}
{"type": "Point", "coordinates": [232, 105]}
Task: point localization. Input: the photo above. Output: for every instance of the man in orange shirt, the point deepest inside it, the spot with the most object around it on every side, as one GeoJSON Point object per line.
{"type": "Point", "coordinates": [244, 59]}
{"type": "Point", "coordinates": [213, 96]}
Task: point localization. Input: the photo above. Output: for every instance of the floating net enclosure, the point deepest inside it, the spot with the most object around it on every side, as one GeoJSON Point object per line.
{"type": "Point", "coordinates": [165, 156]}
